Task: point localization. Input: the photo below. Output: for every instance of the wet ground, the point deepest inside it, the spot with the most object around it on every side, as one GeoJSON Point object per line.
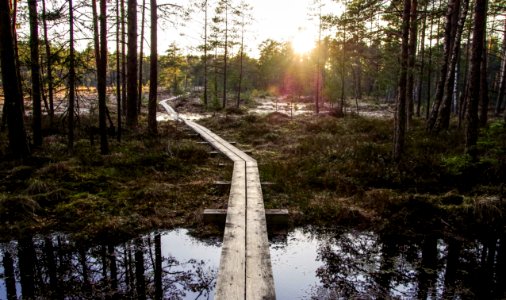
{"type": "Point", "coordinates": [308, 263]}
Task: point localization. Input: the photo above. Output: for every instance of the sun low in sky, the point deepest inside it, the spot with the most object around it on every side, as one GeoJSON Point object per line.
{"type": "Point", "coordinates": [280, 20]}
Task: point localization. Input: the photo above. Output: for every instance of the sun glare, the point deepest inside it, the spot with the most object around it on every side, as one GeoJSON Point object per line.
{"type": "Point", "coordinates": [303, 42]}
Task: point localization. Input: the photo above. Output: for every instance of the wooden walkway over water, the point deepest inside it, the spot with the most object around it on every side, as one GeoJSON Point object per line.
{"type": "Point", "coordinates": [245, 266]}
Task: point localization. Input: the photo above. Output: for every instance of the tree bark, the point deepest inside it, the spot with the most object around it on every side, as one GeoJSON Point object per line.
{"type": "Point", "coordinates": [413, 30]}
{"type": "Point", "coordinates": [453, 9]}
{"type": "Point", "coordinates": [102, 79]}
{"type": "Point", "coordinates": [123, 61]}
{"type": "Point", "coordinates": [131, 119]}
{"type": "Point", "coordinates": [143, 17]}
{"type": "Point", "coordinates": [206, 100]}
{"type": "Point", "coordinates": [225, 57]}
{"type": "Point", "coordinates": [241, 58]}
{"type": "Point", "coordinates": [400, 117]}
{"type": "Point", "coordinates": [153, 72]}
{"type": "Point", "coordinates": [35, 71]}
{"type": "Point", "coordinates": [118, 71]}
{"type": "Point", "coordinates": [502, 76]}
{"type": "Point", "coordinates": [71, 80]}
{"type": "Point", "coordinates": [443, 119]}
{"type": "Point", "coordinates": [50, 81]}
{"type": "Point", "coordinates": [484, 98]}
{"type": "Point", "coordinates": [480, 14]}
{"type": "Point", "coordinates": [422, 63]}
{"type": "Point", "coordinates": [18, 143]}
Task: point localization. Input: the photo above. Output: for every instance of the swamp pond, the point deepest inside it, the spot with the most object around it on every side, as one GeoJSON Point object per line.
{"type": "Point", "coordinates": [308, 263]}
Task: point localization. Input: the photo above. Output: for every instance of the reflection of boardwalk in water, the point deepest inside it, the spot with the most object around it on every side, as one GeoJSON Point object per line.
{"type": "Point", "coordinates": [245, 266]}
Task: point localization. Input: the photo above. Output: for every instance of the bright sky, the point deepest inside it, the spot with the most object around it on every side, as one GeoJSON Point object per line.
{"type": "Point", "coordinates": [281, 20]}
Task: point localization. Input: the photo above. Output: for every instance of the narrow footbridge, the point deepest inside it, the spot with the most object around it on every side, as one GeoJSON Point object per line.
{"type": "Point", "coordinates": [245, 266]}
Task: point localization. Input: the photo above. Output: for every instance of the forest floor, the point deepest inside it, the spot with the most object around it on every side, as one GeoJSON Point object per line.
{"type": "Point", "coordinates": [327, 171]}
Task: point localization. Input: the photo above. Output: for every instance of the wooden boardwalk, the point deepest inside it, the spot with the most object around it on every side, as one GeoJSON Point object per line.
{"type": "Point", "coordinates": [245, 266]}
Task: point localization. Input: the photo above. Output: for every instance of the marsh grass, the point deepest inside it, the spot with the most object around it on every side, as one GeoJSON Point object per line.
{"type": "Point", "coordinates": [339, 170]}
{"type": "Point", "coordinates": [144, 183]}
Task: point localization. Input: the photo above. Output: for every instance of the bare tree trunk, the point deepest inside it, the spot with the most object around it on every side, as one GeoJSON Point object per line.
{"type": "Point", "coordinates": [241, 65]}
{"type": "Point", "coordinates": [413, 34]}
{"type": "Point", "coordinates": [143, 17]}
{"type": "Point", "coordinates": [18, 143]}
{"type": "Point", "coordinates": [465, 89]}
{"type": "Point", "coordinates": [50, 83]}
{"type": "Point", "coordinates": [123, 61]}
{"type": "Point", "coordinates": [453, 9]}
{"type": "Point", "coordinates": [443, 120]}
{"type": "Point", "coordinates": [131, 119]}
{"type": "Point", "coordinates": [480, 15]}
{"type": "Point", "coordinates": [400, 116]}
{"type": "Point", "coordinates": [422, 62]}
{"type": "Point", "coordinates": [102, 79]}
{"type": "Point", "coordinates": [484, 98]}
{"type": "Point", "coordinates": [502, 76]}
{"type": "Point", "coordinates": [206, 100]}
{"type": "Point", "coordinates": [429, 73]}
{"type": "Point", "coordinates": [225, 58]}
{"type": "Point", "coordinates": [16, 49]}
{"type": "Point", "coordinates": [153, 73]}
{"type": "Point", "coordinates": [118, 71]}
{"type": "Point", "coordinates": [72, 80]}
{"type": "Point", "coordinates": [35, 70]}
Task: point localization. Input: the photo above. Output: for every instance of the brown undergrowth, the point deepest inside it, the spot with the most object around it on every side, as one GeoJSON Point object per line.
{"type": "Point", "coordinates": [144, 183]}
{"type": "Point", "coordinates": [330, 171]}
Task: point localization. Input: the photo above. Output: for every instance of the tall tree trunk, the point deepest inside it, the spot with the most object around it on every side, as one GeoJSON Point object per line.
{"type": "Point", "coordinates": [400, 117]}
{"type": "Point", "coordinates": [502, 76]}
{"type": "Point", "coordinates": [318, 58]}
{"type": "Point", "coordinates": [143, 17]}
{"type": "Point", "coordinates": [35, 70]}
{"type": "Point", "coordinates": [429, 72]}
{"type": "Point", "coordinates": [18, 143]}
{"type": "Point", "coordinates": [153, 72]}
{"type": "Point", "coordinates": [480, 15]}
{"type": "Point", "coordinates": [453, 9]}
{"type": "Point", "coordinates": [413, 34]}
{"type": "Point", "coordinates": [123, 61]}
{"type": "Point", "coordinates": [102, 79]}
{"type": "Point", "coordinates": [16, 49]}
{"type": "Point", "coordinates": [241, 58]}
{"type": "Point", "coordinates": [71, 80]}
{"type": "Point", "coordinates": [50, 81]}
{"type": "Point", "coordinates": [131, 119]}
{"type": "Point", "coordinates": [443, 120]}
{"type": "Point", "coordinates": [465, 89]}
{"type": "Point", "coordinates": [422, 62]}
{"type": "Point", "coordinates": [206, 100]}
{"type": "Point", "coordinates": [484, 98]}
{"type": "Point", "coordinates": [118, 71]}
{"type": "Point", "coordinates": [225, 58]}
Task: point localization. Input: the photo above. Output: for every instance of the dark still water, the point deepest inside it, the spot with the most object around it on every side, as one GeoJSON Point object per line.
{"type": "Point", "coordinates": [307, 264]}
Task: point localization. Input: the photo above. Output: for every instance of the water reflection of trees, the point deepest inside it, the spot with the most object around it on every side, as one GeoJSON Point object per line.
{"type": "Point", "coordinates": [56, 268]}
{"type": "Point", "coordinates": [366, 265]}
